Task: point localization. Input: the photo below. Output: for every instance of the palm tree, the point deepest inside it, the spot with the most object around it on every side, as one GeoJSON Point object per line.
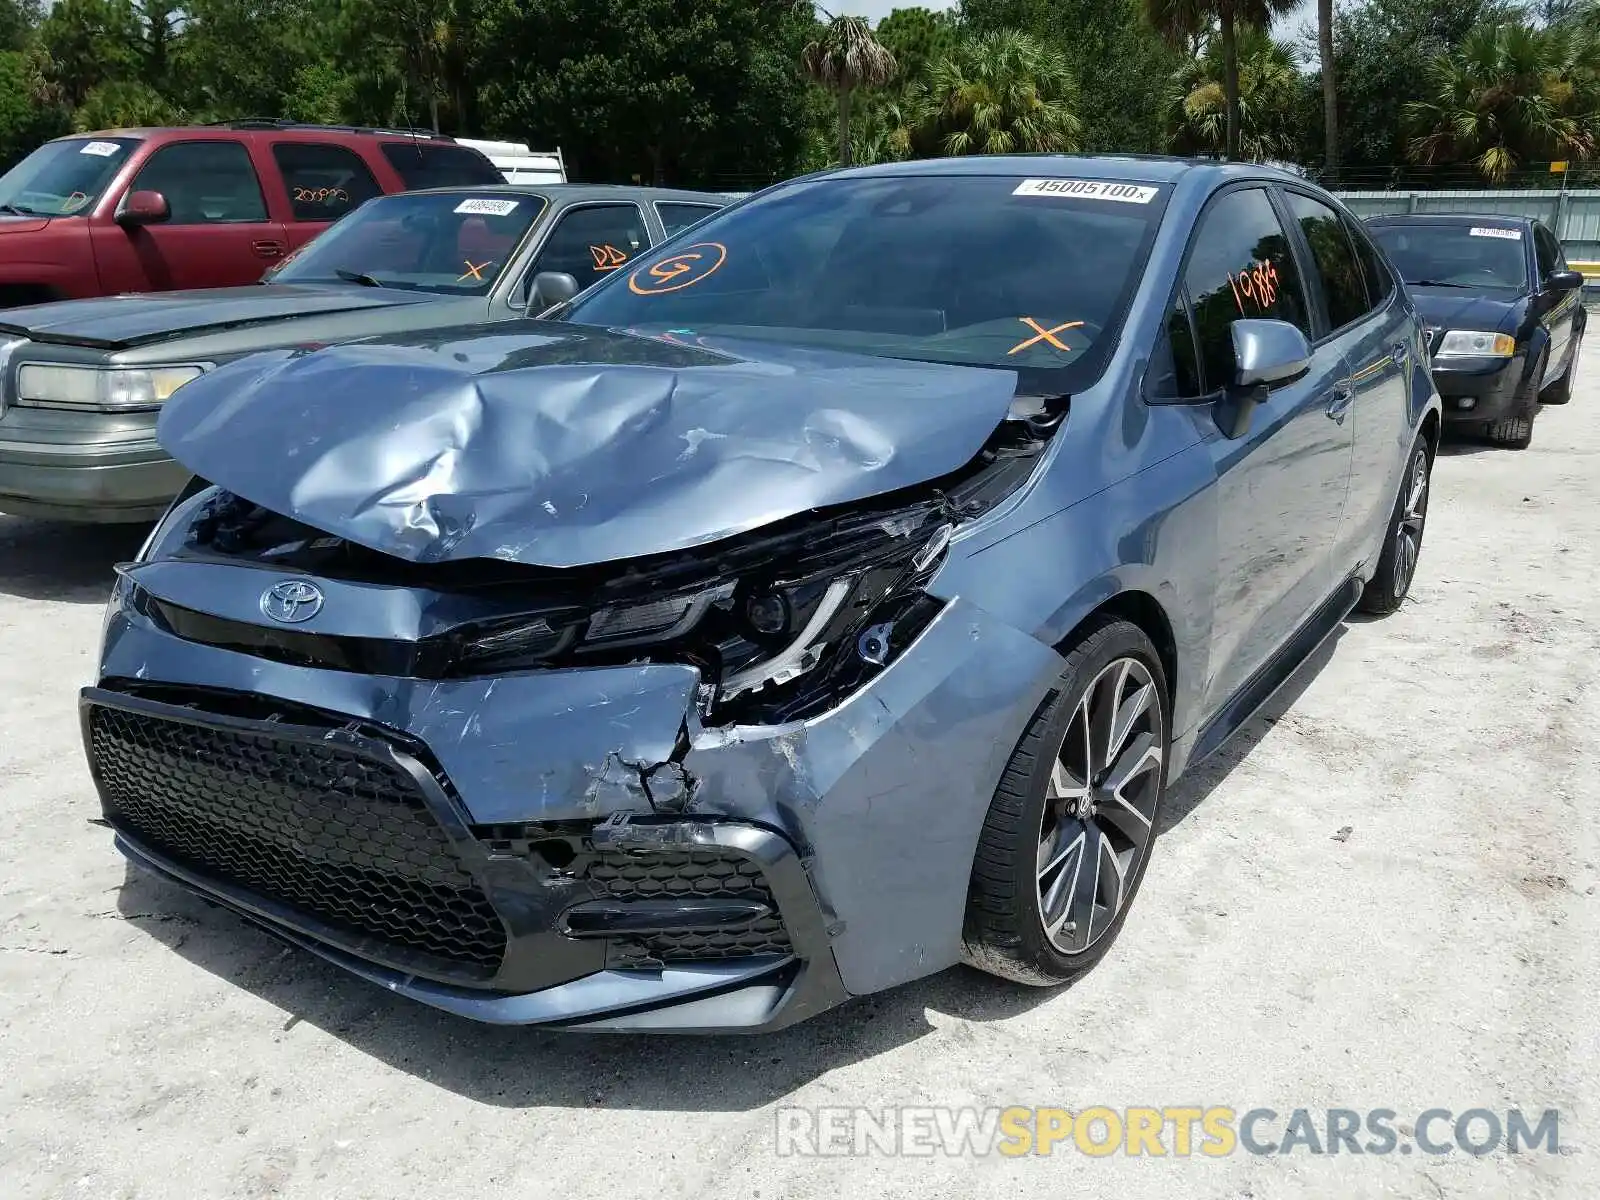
{"type": "Point", "coordinates": [1508, 95]}
{"type": "Point", "coordinates": [998, 93]}
{"type": "Point", "coordinates": [1185, 23]}
{"type": "Point", "coordinates": [1269, 85]}
{"type": "Point", "coordinates": [1330, 92]}
{"type": "Point", "coordinates": [844, 58]}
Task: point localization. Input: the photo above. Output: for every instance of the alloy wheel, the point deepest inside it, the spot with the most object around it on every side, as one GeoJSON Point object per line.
{"type": "Point", "coordinates": [1100, 805]}
{"type": "Point", "coordinates": [1413, 516]}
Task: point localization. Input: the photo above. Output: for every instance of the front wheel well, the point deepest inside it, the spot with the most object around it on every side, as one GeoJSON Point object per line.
{"type": "Point", "coordinates": [1430, 432]}
{"type": "Point", "coordinates": [1145, 611]}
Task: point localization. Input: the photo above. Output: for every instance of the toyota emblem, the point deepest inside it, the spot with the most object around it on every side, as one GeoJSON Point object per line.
{"type": "Point", "coordinates": [292, 601]}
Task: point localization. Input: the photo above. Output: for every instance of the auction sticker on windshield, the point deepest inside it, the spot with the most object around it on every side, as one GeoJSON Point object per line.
{"type": "Point", "coordinates": [487, 208]}
{"type": "Point", "coordinates": [1510, 235]}
{"type": "Point", "coordinates": [1087, 189]}
{"type": "Point", "coordinates": [100, 149]}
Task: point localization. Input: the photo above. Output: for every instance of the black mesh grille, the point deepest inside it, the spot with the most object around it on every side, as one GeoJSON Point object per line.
{"type": "Point", "coordinates": [320, 827]}
{"type": "Point", "coordinates": [705, 874]}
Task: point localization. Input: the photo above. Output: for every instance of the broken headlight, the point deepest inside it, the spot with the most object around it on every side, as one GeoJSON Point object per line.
{"type": "Point", "coordinates": [809, 613]}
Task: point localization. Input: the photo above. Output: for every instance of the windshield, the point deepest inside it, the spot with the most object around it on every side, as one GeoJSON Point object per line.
{"type": "Point", "coordinates": [1468, 256]}
{"type": "Point", "coordinates": [64, 178]}
{"type": "Point", "coordinates": [455, 244]}
{"type": "Point", "coordinates": [993, 271]}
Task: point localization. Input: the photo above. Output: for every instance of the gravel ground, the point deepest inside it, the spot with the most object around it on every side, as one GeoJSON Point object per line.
{"type": "Point", "coordinates": [1382, 896]}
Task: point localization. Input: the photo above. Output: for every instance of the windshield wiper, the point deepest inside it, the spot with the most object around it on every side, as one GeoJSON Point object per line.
{"type": "Point", "coordinates": [20, 210]}
{"type": "Point", "coordinates": [358, 277]}
{"type": "Point", "coordinates": [1438, 283]}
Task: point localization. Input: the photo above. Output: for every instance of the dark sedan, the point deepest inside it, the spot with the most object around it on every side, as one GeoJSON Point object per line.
{"type": "Point", "coordinates": [823, 599]}
{"type": "Point", "coordinates": [1504, 315]}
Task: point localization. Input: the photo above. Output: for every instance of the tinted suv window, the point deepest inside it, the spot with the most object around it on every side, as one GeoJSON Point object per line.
{"type": "Point", "coordinates": [324, 182]}
{"type": "Point", "coordinates": [205, 183]}
{"type": "Point", "coordinates": [1343, 288]}
{"type": "Point", "coordinates": [421, 165]}
{"type": "Point", "coordinates": [590, 242]}
{"type": "Point", "coordinates": [678, 217]}
{"type": "Point", "coordinates": [1546, 250]}
{"type": "Point", "coordinates": [1240, 266]}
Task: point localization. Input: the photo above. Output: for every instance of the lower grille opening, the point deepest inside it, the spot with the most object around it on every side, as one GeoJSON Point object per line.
{"type": "Point", "coordinates": [319, 827]}
{"type": "Point", "coordinates": [711, 874]}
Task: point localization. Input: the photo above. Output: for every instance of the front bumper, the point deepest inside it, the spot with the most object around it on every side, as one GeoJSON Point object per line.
{"type": "Point", "coordinates": [1477, 390]}
{"type": "Point", "coordinates": [554, 790]}
{"type": "Point", "coordinates": [87, 467]}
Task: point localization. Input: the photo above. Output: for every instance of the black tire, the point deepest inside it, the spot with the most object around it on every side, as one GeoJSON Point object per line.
{"type": "Point", "coordinates": [1515, 432]}
{"type": "Point", "coordinates": [1560, 392]}
{"type": "Point", "coordinates": [1402, 539]}
{"type": "Point", "coordinates": [1005, 932]}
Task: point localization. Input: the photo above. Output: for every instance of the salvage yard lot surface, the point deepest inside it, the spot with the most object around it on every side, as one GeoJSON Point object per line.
{"type": "Point", "coordinates": [1382, 895]}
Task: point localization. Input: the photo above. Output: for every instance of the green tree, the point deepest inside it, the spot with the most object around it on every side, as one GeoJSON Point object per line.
{"type": "Point", "coordinates": [999, 93]}
{"type": "Point", "coordinates": [18, 21]}
{"type": "Point", "coordinates": [1122, 66]}
{"type": "Point", "coordinates": [1509, 95]}
{"type": "Point", "coordinates": [86, 43]}
{"type": "Point", "coordinates": [123, 103]}
{"type": "Point", "coordinates": [845, 58]}
{"type": "Point", "coordinates": [26, 117]}
{"type": "Point", "coordinates": [1330, 90]}
{"type": "Point", "coordinates": [692, 91]}
{"type": "Point", "coordinates": [917, 37]}
{"type": "Point", "coordinates": [1382, 49]}
{"type": "Point", "coordinates": [1270, 89]}
{"type": "Point", "coordinates": [1186, 22]}
{"type": "Point", "coordinates": [242, 58]}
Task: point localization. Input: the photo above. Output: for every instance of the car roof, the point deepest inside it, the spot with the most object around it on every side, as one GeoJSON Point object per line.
{"type": "Point", "coordinates": [1492, 220]}
{"type": "Point", "coordinates": [571, 192]}
{"type": "Point", "coordinates": [1141, 168]}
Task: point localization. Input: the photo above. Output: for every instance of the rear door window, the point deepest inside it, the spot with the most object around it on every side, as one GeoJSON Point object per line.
{"type": "Point", "coordinates": [1344, 290]}
{"type": "Point", "coordinates": [424, 165]}
{"type": "Point", "coordinates": [675, 218]}
{"type": "Point", "coordinates": [324, 182]}
{"type": "Point", "coordinates": [1240, 266]}
{"type": "Point", "coordinates": [205, 183]}
{"type": "Point", "coordinates": [1380, 282]}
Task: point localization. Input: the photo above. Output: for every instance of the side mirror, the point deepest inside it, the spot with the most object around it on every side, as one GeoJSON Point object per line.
{"type": "Point", "coordinates": [143, 208]}
{"type": "Point", "coordinates": [1265, 353]}
{"type": "Point", "coordinates": [551, 288]}
{"type": "Point", "coordinates": [1563, 281]}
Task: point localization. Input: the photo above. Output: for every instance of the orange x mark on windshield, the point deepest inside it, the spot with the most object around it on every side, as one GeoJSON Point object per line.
{"type": "Point", "coordinates": [472, 271]}
{"type": "Point", "coordinates": [1041, 334]}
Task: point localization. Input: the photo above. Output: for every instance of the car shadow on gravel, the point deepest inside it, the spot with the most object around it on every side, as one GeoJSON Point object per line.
{"type": "Point", "coordinates": [1197, 784]}
{"type": "Point", "coordinates": [518, 1067]}
{"type": "Point", "coordinates": [47, 560]}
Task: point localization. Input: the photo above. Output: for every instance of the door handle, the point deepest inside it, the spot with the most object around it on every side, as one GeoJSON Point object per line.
{"type": "Point", "coordinates": [267, 248]}
{"type": "Point", "coordinates": [1344, 396]}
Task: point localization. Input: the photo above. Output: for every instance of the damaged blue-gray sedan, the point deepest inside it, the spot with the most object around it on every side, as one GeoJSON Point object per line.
{"type": "Point", "coordinates": [829, 597]}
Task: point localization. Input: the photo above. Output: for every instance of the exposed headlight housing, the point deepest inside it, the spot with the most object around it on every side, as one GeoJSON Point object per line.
{"type": "Point", "coordinates": [101, 389]}
{"type": "Point", "coordinates": [1472, 343]}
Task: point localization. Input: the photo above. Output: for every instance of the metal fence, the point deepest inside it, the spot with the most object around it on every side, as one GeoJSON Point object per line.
{"type": "Point", "coordinates": [1573, 215]}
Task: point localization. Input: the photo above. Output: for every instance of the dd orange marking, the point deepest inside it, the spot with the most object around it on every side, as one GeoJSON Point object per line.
{"type": "Point", "coordinates": [677, 271]}
{"type": "Point", "coordinates": [607, 258]}
{"type": "Point", "coordinates": [472, 271]}
{"type": "Point", "coordinates": [1258, 283]}
{"type": "Point", "coordinates": [1041, 334]}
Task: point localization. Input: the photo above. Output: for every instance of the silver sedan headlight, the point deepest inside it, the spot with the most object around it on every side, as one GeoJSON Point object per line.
{"type": "Point", "coordinates": [101, 389]}
{"type": "Point", "coordinates": [1471, 343]}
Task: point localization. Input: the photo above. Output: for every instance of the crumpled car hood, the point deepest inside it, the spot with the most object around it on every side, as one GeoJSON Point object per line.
{"type": "Point", "coordinates": [563, 445]}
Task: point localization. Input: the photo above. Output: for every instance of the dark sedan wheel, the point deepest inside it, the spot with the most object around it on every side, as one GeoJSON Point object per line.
{"type": "Point", "coordinates": [1402, 546]}
{"type": "Point", "coordinates": [1515, 431]}
{"type": "Point", "coordinates": [1070, 828]}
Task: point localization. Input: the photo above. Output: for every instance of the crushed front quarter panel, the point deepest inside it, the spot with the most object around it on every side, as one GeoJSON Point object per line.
{"type": "Point", "coordinates": [555, 446]}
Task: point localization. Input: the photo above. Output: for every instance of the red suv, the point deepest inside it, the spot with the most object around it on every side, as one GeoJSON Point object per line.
{"type": "Point", "coordinates": [151, 210]}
